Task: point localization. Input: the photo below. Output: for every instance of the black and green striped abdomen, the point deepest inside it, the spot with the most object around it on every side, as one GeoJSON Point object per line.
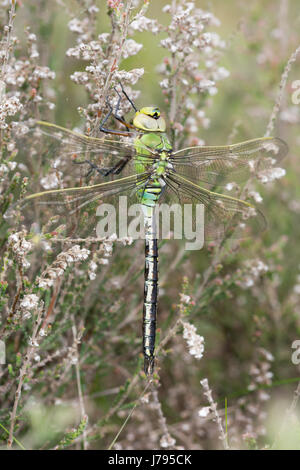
{"type": "Point", "coordinates": [150, 303]}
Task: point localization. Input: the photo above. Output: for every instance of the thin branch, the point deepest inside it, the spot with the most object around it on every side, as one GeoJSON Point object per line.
{"type": "Point", "coordinates": [213, 407]}
{"type": "Point", "coordinates": [8, 29]}
{"type": "Point", "coordinates": [282, 85]}
{"type": "Point", "coordinates": [83, 413]}
{"type": "Point", "coordinates": [167, 440]}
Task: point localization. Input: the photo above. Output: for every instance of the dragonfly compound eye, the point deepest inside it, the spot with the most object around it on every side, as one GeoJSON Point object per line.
{"type": "Point", "coordinates": [155, 114]}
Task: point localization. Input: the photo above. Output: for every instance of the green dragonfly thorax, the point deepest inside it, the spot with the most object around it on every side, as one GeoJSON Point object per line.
{"type": "Point", "coordinates": [152, 124]}
{"type": "Point", "coordinates": [152, 141]}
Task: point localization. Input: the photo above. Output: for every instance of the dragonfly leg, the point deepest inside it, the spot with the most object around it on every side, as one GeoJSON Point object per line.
{"type": "Point", "coordinates": [116, 113]}
{"type": "Point", "coordinates": [120, 165]}
{"type": "Point", "coordinates": [113, 113]}
{"type": "Point", "coordinates": [127, 97]}
{"type": "Point", "coordinates": [89, 172]}
{"type": "Point", "coordinates": [106, 118]}
{"type": "Point", "coordinates": [93, 167]}
{"type": "Point", "coordinates": [115, 170]}
{"type": "Point", "coordinates": [121, 119]}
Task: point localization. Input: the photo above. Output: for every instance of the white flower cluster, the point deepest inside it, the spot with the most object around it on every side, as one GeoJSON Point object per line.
{"type": "Point", "coordinates": [130, 48]}
{"type": "Point", "coordinates": [271, 174]}
{"type": "Point", "coordinates": [103, 254]}
{"type": "Point", "coordinates": [167, 441]}
{"type": "Point", "coordinates": [20, 71]}
{"type": "Point", "coordinates": [185, 299]}
{"type": "Point", "coordinates": [78, 26]}
{"type": "Point", "coordinates": [87, 51]}
{"type": "Point", "coordinates": [231, 186]}
{"type": "Point", "coordinates": [204, 412]}
{"type": "Point", "coordinates": [28, 304]}
{"type": "Point", "coordinates": [195, 54]}
{"type": "Point", "coordinates": [92, 270]}
{"type": "Point", "coordinates": [80, 77]}
{"type": "Point", "coordinates": [256, 196]}
{"type": "Point", "coordinates": [51, 180]}
{"type": "Point", "coordinates": [9, 107]}
{"type": "Point", "coordinates": [145, 24]}
{"type": "Point", "coordinates": [126, 240]}
{"type": "Point", "coordinates": [104, 54]}
{"type": "Point", "coordinates": [62, 262]}
{"type": "Point", "coordinates": [107, 248]}
{"type": "Point", "coordinates": [20, 246]}
{"type": "Point", "coordinates": [32, 39]}
{"type": "Point", "coordinates": [41, 72]}
{"type": "Point", "coordinates": [131, 77]}
{"type": "Point", "coordinates": [6, 167]}
{"type": "Point", "coordinates": [260, 375]}
{"type": "Point", "coordinates": [253, 270]}
{"type": "Point", "coordinates": [194, 341]}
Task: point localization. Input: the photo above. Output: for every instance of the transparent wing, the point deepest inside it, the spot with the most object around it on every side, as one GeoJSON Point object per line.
{"type": "Point", "coordinates": [223, 215]}
{"type": "Point", "coordinates": [217, 166]}
{"type": "Point", "coordinates": [73, 155]}
{"type": "Point", "coordinates": [73, 211]}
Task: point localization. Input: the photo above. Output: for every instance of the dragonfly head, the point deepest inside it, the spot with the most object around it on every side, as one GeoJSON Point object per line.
{"type": "Point", "coordinates": [149, 119]}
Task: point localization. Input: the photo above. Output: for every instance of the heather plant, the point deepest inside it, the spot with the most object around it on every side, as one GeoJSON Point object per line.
{"type": "Point", "coordinates": [71, 308]}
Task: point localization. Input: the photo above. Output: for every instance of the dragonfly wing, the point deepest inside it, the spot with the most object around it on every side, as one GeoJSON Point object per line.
{"type": "Point", "coordinates": [223, 215]}
{"type": "Point", "coordinates": [74, 210]}
{"type": "Point", "coordinates": [217, 166]}
{"type": "Point", "coordinates": [75, 156]}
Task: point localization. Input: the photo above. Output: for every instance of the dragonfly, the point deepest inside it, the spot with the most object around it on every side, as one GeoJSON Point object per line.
{"type": "Point", "coordinates": [138, 160]}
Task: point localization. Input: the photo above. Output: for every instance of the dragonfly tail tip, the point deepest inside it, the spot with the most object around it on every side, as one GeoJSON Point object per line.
{"type": "Point", "coordinates": [148, 365]}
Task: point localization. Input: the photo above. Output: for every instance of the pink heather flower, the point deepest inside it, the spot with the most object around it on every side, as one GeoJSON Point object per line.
{"type": "Point", "coordinates": [115, 4]}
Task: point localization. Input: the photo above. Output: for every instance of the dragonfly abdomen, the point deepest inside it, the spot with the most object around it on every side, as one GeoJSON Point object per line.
{"type": "Point", "coordinates": [150, 303]}
{"type": "Point", "coordinates": [149, 200]}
